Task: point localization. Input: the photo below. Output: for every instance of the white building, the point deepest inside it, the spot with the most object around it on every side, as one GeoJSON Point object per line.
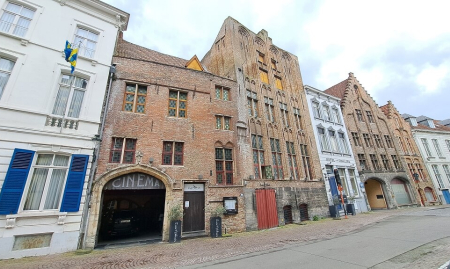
{"type": "Point", "coordinates": [433, 140]}
{"type": "Point", "coordinates": [48, 118]}
{"type": "Point", "coordinates": [333, 147]}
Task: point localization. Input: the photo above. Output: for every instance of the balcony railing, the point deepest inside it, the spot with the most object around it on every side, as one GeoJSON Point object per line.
{"type": "Point", "coordinates": [61, 122]}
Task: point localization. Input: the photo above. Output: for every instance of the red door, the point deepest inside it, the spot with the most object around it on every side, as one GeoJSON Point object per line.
{"type": "Point", "coordinates": [266, 208]}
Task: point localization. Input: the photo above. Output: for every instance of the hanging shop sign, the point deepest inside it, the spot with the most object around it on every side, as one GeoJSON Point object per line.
{"type": "Point", "coordinates": [135, 181]}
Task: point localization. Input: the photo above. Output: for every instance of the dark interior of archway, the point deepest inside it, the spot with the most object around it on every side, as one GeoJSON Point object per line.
{"type": "Point", "coordinates": [131, 215]}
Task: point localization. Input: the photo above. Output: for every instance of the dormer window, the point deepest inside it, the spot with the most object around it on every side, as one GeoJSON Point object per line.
{"type": "Point", "coordinates": [431, 124]}
{"type": "Point", "coordinates": [413, 121]}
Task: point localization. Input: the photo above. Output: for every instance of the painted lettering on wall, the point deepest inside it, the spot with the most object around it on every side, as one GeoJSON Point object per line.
{"type": "Point", "coordinates": [134, 181]}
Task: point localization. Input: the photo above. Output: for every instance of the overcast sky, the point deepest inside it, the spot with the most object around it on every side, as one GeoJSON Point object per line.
{"type": "Point", "coordinates": [398, 50]}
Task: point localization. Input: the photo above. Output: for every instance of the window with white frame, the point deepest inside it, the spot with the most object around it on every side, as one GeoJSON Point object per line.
{"type": "Point", "coordinates": [447, 172]}
{"type": "Point", "coordinates": [426, 147]}
{"type": "Point", "coordinates": [351, 173]}
{"type": "Point", "coordinates": [446, 141]}
{"type": "Point", "coordinates": [47, 182]}
{"type": "Point", "coordinates": [343, 177]}
{"type": "Point", "coordinates": [343, 143]}
{"type": "Point", "coordinates": [6, 67]}
{"type": "Point", "coordinates": [436, 147]}
{"type": "Point", "coordinates": [333, 140]}
{"type": "Point", "coordinates": [16, 19]}
{"type": "Point", "coordinates": [438, 176]}
{"type": "Point", "coordinates": [316, 110]}
{"type": "Point", "coordinates": [322, 139]}
{"type": "Point", "coordinates": [70, 96]}
{"type": "Point", "coordinates": [336, 117]}
{"type": "Point", "coordinates": [326, 113]}
{"type": "Point", "coordinates": [86, 42]}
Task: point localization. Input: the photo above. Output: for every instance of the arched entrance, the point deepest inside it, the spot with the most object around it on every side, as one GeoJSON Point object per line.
{"type": "Point", "coordinates": [375, 194]}
{"type": "Point", "coordinates": [401, 192]}
{"type": "Point", "coordinates": [132, 209]}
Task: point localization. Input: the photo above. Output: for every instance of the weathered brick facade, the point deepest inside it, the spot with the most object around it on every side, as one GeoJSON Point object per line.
{"type": "Point", "coordinates": [271, 105]}
{"type": "Point", "coordinates": [375, 149]}
{"type": "Point", "coordinates": [410, 153]}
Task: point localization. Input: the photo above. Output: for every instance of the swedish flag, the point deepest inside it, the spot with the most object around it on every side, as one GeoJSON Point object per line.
{"type": "Point", "coordinates": [71, 55]}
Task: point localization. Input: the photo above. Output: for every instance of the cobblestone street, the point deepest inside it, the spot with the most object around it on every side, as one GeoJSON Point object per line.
{"type": "Point", "coordinates": [195, 251]}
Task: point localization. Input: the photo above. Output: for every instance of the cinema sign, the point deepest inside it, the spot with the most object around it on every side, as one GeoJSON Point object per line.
{"type": "Point", "coordinates": [134, 181]}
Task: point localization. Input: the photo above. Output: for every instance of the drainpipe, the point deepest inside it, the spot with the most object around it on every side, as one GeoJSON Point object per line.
{"type": "Point", "coordinates": [97, 140]}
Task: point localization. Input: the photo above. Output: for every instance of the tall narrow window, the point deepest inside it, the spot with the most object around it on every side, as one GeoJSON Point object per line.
{"type": "Point", "coordinates": [278, 83]}
{"type": "Point", "coordinates": [70, 96]}
{"type": "Point", "coordinates": [172, 153]}
{"type": "Point", "coordinates": [86, 41]}
{"type": "Point", "coordinates": [224, 166]}
{"type": "Point", "coordinates": [402, 145]}
{"type": "Point", "coordinates": [375, 163]}
{"type": "Point", "coordinates": [438, 176]}
{"type": "Point", "coordinates": [322, 139]}
{"type": "Point", "coordinates": [388, 140]}
{"type": "Point", "coordinates": [437, 147]}
{"type": "Point", "coordinates": [269, 109]}
{"type": "Point", "coordinates": [447, 172]}
{"type": "Point", "coordinates": [343, 143]}
{"type": "Point", "coordinates": [284, 114]}
{"type": "Point", "coordinates": [16, 19]}
{"type": "Point", "coordinates": [396, 162]}
{"type": "Point", "coordinates": [135, 96]}
{"type": "Point", "coordinates": [306, 162]}
{"type": "Point", "coordinates": [177, 104]}
{"type": "Point", "coordinates": [298, 119]}
{"type": "Point", "coordinates": [122, 150]}
{"type": "Point", "coordinates": [316, 110]}
{"type": "Point", "coordinates": [353, 182]}
{"type": "Point", "coordinates": [336, 117]}
{"type": "Point", "coordinates": [343, 176]}
{"type": "Point", "coordinates": [411, 168]}
{"type": "Point", "coordinates": [378, 141]}
{"type": "Point", "coordinates": [446, 141]}
{"type": "Point", "coordinates": [359, 115]}
{"type": "Point", "coordinates": [385, 162]}
{"type": "Point", "coordinates": [367, 140]}
{"type": "Point", "coordinates": [408, 143]}
{"type": "Point", "coordinates": [260, 57]}
{"type": "Point", "coordinates": [426, 147]}
{"type": "Point", "coordinates": [333, 140]}
{"type": "Point", "coordinates": [326, 113]}
{"type": "Point", "coordinates": [420, 171]}
{"type": "Point", "coordinates": [263, 75]}
{"type": "Point", "coordinates": [292, 160]}
{"type": "Point", "coordinates": [6, 67]}
{"type": "Point", "coordinates": [369, 116]}
{"type": "Point", "coordinates": [276, 159]}
{"type": "Point", "coordinates": [362, 161]}
{"type": "Point", "coordinates": [47, 182]}
{"type": "Point", "coordinates": [258, 155]}
{"type": "Point", "coordinates": [223, 122]}
{"type": "Point", "coordinates": [222, 93]}
{"type": "Point", "coordinates": [356, 140]}
{"type": "Point", "coordinates": [252, 104]}
{"type": "Point", "coordinates": [273, 64]}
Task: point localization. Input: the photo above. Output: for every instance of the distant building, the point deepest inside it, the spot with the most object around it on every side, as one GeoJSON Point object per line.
{"type": "Point", "coordinates": [49, 118]}
{"type": "Point", "coordinates": [378, 154]}
{"type": "Point", "coordinates": [410, 153]}
{"type": "Point", "coordinates": [433, 140]}
{"type": "Point", "coordinates": [334, 149]}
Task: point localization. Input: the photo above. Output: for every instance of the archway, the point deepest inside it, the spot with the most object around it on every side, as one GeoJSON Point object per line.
{"type": "Point", "coordinates": [401, 192]}
{"type": "Point", "coordinates": [375, 194]}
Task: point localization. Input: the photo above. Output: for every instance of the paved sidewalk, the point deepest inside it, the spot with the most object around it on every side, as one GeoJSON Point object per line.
{"type": "Point", "coordinates": [194, 251]}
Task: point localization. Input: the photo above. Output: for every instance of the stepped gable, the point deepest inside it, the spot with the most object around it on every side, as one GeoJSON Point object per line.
{"type": "Point", "coordinates": [388, 109]}
{"type": "Point", "coordinates": [339, 90]}
{"type": "Point", "coordinates": [129, 50]}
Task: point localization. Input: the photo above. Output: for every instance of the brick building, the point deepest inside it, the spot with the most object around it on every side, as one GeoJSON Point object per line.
{"type": "Point", "coordinates": [281, 168]}
{"type": "Point", "coordinates": [169, 139]}
{"type": "Point", "coordinates": [380, 166]}
{"type": "Point", "coordinates": [410, 153]}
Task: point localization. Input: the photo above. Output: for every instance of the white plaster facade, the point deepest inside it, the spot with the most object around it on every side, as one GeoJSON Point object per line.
{"type": "Point", "coordinates": [333, 146]}
{"type": "Point", "coordinates": [28, 119]}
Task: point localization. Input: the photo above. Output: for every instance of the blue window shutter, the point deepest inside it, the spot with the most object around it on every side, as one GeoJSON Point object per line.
{"type": "Point", "coordinates": [15, 180]}
{"type": "Point", "coordinates": [74, 184]}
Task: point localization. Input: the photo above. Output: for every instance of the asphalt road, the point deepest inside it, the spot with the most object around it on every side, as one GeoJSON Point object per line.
{"type": "Point", "coordinates": [411, 240]}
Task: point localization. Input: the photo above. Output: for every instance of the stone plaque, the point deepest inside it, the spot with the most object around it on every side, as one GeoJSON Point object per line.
{"type": "Point", "coordinates": [32, 241]}
{"type": "Point", "coordinates": [134, 181]}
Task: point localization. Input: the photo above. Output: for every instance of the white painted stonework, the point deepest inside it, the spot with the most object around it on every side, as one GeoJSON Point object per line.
{"type": "Point", "coordinates": [27, 104]}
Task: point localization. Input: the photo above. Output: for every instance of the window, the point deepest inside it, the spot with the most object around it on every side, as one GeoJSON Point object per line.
{"type": "Point", "coordinates": [356, 140]}
{"type": "Point", "coordinates": [408, 143]}
{"type": "Point", "coordinates": [306, 162]}
{"type": "Point", "coordinates": [252, 104]}
{"type": "Point", "coordinates": [378, 141]}
{"type": "Point", "coordinates": [447, 172]}
{"type": "Point", "coordinates": [16, 19]}
{"type": "Point", "coordinates": [388, 140]}
{"type": "Point", "coordinates": [333, 140]}
{"type": "Point", "coordinates": [438, 176]}
{"type": "Point", "coordinates": [396, 162]}
{"type": "Point", "coordinates": [343, 180]}
{"type": "Point", "coordinates": [6, 67]}
{"type": "Point", "coordinates": [258, 155]}
{"type": "Point", "coordinates": [273, 64]}
{"type": "Point", "coordinates": [359, 115]}
{"type": "Point", "coordinates": [412, 170]}
{"type": "Point", "coordinates": [222, 93]}
{"type": "Point", "coordinates": [362, 161]}
{"type": "Point", "coordinates": [122, 150]}
{"type": "Point", "coordinates": [47, 182]}
{"type": "Point", "coordinates": [402, 145]}
{"type": "Point", "coordinates": [426, 147]}
{"type": "Point", "coordinates": [269, 109]}
{"type": "Point", "coordinates": [420, 171]}
{"type": "Point", "coordinates": [343, 143]}
{"type": "Point", "coordinates": [298, 119]}
{"type": "Point", "coordinates": [223, 122]}
{"type": "Point", "coordinates": [71, 91]}
{"type": "Point", "coordinates": [316, 110]}
{"type": "Point", "coordinates": [429, 194]}
{"type": "Point", "coordinates": [326, 113]}
{"type": "Point", "coordinates": [292, 160]}
{"type": "Point", "coordinates": [278, 83]}
{"type": "Point", "coordinates": [263, 75]}
{"type": "Point", "coordinates": [446, 141]}
{"type": "Point", "coordinates": [436, 147]}
{"type": "Point", "coordinates": [352, 176]}
{"type": "Point", "coordinates": [367, 140]}
{"type": "Point", "coordinates": [385, 162]}
{"type": "Point", "coordinates": [224, 166]}
{"type": "Point", "coordinates": [177, 104]}
{"type": "Point", "coordinates": [260, 57]}
{"type": "Point", "coordinates": [276, 159]}
{"type": "Point", "coordinates": [322, 139]}
{"type": "Point", "coordinates": [172, 153]}
{"type": "Point", "coordinates": [336, 116]}
{"type": "Point", "coordinates": [134, 100]}
{"type": "Point", "coordinates": [374, 160]}
{"type": "Point", "coordinates": [86, 41]}
{"type": "Point", "coordinates": [369, 116]}
{"type": "Point", "coordinates": [284, 114]}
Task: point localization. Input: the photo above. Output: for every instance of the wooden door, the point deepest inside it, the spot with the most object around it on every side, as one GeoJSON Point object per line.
{"type": "Point", "coordinates": [266, 207]}
{"type": "Point", "coordinates": [194, 211]}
